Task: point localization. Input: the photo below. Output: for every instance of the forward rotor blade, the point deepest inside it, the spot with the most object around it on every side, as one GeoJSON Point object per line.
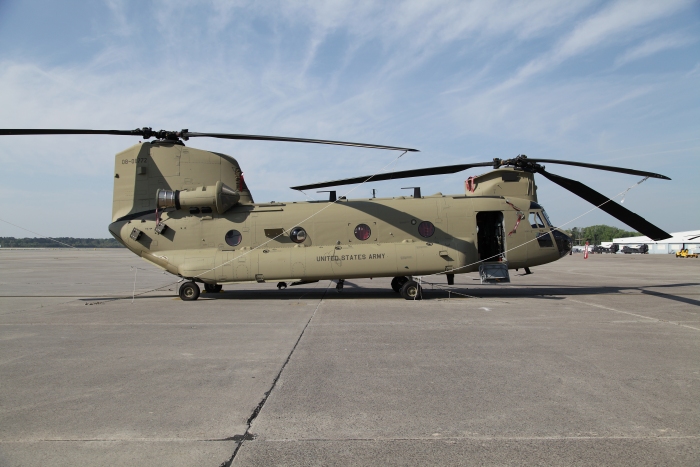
{"type": "Point", "coordinates": [611, 207]}
{"type": "Point", "coordinates": [609, 168]}
{"type": "Point", "coordinates": [188, 134]}
{"type": "Point", "coordinates": [446, 169]}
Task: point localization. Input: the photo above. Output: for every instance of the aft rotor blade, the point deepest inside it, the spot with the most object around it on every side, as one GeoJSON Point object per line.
{"type": "Point", "coordinates": [185, 134]}
{"type": "Point", "coordinates": [188, 134]}
{"type": "Point", "coordinates": [620, 213]}
{"type": "Point", "coordinates": [447, 169]}
{"type": "Point", "coordinates": [6, 132]}
{"type": "Point", "coordinates": [609, 168]}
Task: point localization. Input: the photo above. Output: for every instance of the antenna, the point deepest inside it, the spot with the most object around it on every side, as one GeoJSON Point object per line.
{"type": "Point", "coordinates": [331, 194]}
{"type": "Point", "coordinates": [416, 191]}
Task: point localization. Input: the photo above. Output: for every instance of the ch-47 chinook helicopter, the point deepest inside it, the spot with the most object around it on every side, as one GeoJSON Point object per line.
{"type": "Point", "coordinates": [190, 212]}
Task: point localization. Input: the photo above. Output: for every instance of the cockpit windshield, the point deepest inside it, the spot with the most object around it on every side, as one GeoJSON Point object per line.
{"type": "Point", "coordinates": [536, 220]}
{"type": "Point", "coordinates": [544, 213]}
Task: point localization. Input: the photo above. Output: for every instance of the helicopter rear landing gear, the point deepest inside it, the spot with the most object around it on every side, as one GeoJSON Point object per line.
{"type": "Point", "coordinates": [339, 286]}
{"type": "Point", "coordinates": [398, 282]}
{"type": "Point", "coordinates": [213, 288]}
{"type": "Point", "coordinates": [282, 285]}
{"type": "Point", "coordinates": [189, 291]}
{"type": "Point", "coordinates": [411, 290]}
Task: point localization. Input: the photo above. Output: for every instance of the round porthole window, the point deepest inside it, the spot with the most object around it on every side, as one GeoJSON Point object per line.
{"type": "Point", "coordinates": [362, 232]}
{"type": "Point", "coordinates": [233, 237]}
{"type": "Point", "coordinates": [426, 229]}
{"type": "Point", "coordinates": [298, 235]}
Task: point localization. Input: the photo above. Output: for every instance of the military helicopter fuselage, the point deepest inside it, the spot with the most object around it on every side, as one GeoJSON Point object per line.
{"type": "Point", "coordinates": [190, 212]}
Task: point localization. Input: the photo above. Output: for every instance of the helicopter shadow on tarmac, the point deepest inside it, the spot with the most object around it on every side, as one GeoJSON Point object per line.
{"type": "Point", "coordinates": [559, 292]}
{"type": "Point", "coordinates": [350, 291]}
{"type": "Point", "coordinates": [354, 292]}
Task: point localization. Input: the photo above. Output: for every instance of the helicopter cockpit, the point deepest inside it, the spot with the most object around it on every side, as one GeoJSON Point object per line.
{"type": "Point", "coordinates": [540, 220]}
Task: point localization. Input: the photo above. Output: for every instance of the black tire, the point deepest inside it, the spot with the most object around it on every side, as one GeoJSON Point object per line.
{"type": "Point", "coordinates": [411, 291]}
{"type": "Point", "coordinates": [189, 291]}
{"type": "Point", "coordinates": [398, 282]}
{"type": "Point", "coordinates": [212, 288]}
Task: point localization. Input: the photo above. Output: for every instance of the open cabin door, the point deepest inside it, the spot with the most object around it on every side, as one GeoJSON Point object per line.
{"type": "Point", "coordinates": [490, 236]}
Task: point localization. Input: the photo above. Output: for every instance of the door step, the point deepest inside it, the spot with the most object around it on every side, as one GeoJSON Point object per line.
{"type": "Point", "coordinates": [494, 273]}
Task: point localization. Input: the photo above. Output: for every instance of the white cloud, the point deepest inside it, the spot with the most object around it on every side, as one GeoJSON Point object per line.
{"type": "Point", "coordinates": [415, 73]}
{"type": "Point", "coordinates": [600, 30]}
{"type": "Point", "coordinates": [122, 27]}
{"type": "Point", "coordinates": [654, 46]}
{"type": "Point", "coordinates": [618, 19]}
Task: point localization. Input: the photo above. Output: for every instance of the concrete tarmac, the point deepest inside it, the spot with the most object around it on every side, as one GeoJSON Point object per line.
{"type": "Point", "coordinates": [584, 362]}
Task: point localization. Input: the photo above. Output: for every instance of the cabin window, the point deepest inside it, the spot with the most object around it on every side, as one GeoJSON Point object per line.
{"type": "Point", "coordinates": [426, 229]}
{"type": "Point", "coordinates": [298, 235]}
{"type": "Point", "coordinates": [362, 232]}
{"type": "Point", "coordinates": [233, 237]}
{"type": "Point", "coordinates": [536, 221]}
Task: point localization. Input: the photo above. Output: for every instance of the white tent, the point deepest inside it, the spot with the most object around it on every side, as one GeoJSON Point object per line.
{"type": "Point", "coordinates": [689, 239]}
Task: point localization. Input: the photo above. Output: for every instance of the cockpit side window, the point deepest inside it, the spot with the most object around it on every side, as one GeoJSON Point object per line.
{"type": "Point", "coordinates": [536, 220]}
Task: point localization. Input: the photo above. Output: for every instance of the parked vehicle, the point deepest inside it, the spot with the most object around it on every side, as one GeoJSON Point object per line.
{"type": "Point", "coordinates": [614, 248]}
{"type": "Point", "coordinates": [641, 249]}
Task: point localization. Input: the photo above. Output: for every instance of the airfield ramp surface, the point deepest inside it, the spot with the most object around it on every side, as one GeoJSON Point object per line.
{"type": "Point", "coordinates": [584, 362]}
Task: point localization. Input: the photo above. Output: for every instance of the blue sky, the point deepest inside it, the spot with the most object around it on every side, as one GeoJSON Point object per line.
{"type": "Point", "coordinates": [614, 83]}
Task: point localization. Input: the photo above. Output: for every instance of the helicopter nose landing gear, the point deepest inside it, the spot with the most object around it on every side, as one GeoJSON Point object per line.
{"type": "Point", "coordinates": [213, 288]}
{"type": "Point", "coordinates": [189, 291]}
{"type": "Point", "coordinates": [340, 284]}
{"type": "Point", "coordinates": [398, 282]}
{"type": "Point", "coordinates": [282, 285]}
{"type": "Point", "coordinates": [411, 290]}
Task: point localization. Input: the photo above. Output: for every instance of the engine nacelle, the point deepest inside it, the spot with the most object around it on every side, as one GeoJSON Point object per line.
{"type": "Point", "coordinates": [219, 197]}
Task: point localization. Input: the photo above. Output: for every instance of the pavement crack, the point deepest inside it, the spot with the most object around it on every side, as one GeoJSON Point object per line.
{"type": "Point", "coordinates": [247, 436]}
{"type": "Point", "coordinates": [238, 438]}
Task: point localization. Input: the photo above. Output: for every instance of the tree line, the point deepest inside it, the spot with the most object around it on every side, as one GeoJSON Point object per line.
{"type": "Point", "coordinates": [12, 242]}
{"type": "Point", "coordinates": [596, 234]}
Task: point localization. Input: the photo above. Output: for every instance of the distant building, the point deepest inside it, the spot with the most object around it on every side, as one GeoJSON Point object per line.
{"type": "Point", "coordinates": [678, 241]}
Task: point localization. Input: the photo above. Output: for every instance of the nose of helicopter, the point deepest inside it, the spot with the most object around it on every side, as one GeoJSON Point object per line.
{"type": "Point", "coordinates": [564, 242]}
